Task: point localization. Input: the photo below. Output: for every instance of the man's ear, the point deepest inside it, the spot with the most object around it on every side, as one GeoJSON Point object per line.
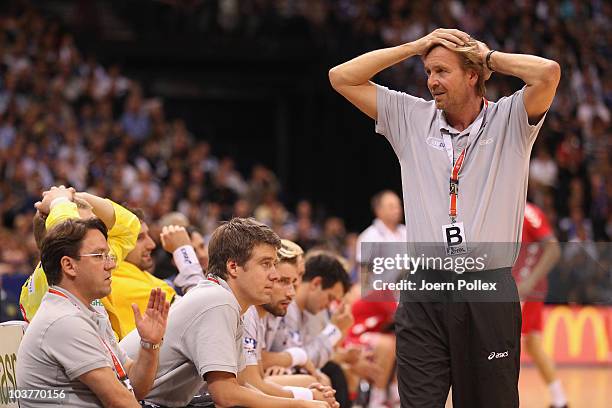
{"type": "Point", "coordinates": [68, 266]}
{"type": "Point", "coordinates": [231, 267]}
{"type": "Point", "coordinates": [472, 77]}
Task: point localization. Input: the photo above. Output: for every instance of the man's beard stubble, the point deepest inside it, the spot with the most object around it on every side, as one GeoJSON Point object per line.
{"type": "Point", "coordinates": [277, 312]}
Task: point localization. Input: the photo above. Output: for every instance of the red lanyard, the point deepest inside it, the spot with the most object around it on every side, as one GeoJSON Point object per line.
{"type": "Point", "coordinates": [121, 374]}
{"type": "Point", "coordinates": [454, 186]}
{"type": "Point", "coordinates": [454, 177]}
{"type": "Point", "coordinates": [213, 278]}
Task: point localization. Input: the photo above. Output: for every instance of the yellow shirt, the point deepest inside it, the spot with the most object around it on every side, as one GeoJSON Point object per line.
{"type": "Point", "coordinates": [131, 285]}
{"type": "Point", "coordinates": [121, 240]}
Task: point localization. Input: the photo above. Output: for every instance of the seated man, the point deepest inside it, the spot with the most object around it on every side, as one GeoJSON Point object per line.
{"type": "Point", "coordinates": [259, 321]}
{"type": "Point", "coordinates": [132, 281]}
{"type": "Point", "coordinates": [59, 204]}
{"type": "Point", "coordinates": [129, 241]}
{"type": "Point", "coordinates": [69, 346]}
{"type": "Point", "coordinates": [204, 337]}
{"type": "Point", "coordinates": [325, 280]}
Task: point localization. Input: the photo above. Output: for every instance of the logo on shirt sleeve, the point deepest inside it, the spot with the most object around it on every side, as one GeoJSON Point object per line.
{"type": "Point", "coordinates": [250, 345]}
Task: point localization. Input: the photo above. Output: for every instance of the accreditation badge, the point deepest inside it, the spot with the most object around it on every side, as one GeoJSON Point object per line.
{"type": "Point", "coordinates": [453, 236]}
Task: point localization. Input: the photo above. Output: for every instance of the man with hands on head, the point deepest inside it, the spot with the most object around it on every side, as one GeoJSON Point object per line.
{"type": "Point", "coordinates": [59, 204]}
{"type": "Point", "coordinates": [204, 340]}
{"type": "Point", "coordinates": [464, 164]}
{"type": "Point", "coordinates": [130, 244]}
{"type": "Point", "coordinates": [69, 346]}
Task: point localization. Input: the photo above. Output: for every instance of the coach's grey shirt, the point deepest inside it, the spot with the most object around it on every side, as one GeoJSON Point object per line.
{"type": "Point", "coordinates": [204, 333]}
{"type": "Point", "coordinates": [63, 342]}
{"type": "Point", "coordinates": [492, 182]}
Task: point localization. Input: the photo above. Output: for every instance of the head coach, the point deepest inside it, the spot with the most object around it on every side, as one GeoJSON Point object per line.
{"type": "Point", "coordinates": [464, 166]}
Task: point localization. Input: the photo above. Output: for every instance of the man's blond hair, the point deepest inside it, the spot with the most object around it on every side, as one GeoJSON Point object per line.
{"type": "Point", "coordinates": [289, 252]}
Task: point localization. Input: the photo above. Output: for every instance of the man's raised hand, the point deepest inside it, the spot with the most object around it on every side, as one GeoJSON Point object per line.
{"type": "Point", "coordinates": [151, 325]}
{"type": "Point", "coordinates": [173, 237]}
{"type": "Point", "coordinates": [44, 206]}
{"type": "Point", "coordinates": [449, 38]}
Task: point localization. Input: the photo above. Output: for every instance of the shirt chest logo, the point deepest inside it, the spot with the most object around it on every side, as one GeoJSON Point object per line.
{"type": "Point", "coordinates": [436, 143]}
{"type": "Point", "coordinates": [485, 142]}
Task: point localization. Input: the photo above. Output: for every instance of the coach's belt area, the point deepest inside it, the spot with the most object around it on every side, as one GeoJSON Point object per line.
{"type": "Point", "coordinates": [429, 285]}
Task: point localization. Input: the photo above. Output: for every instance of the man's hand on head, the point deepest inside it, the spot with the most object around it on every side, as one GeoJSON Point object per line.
{"type": "Point", "coordinates": [449, 38]}
{"type": "Point", "coordinates": [44, 206]}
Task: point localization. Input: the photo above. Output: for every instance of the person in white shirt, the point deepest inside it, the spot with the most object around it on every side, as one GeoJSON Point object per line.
{"type": "Point", "coordinates": [385, 228]}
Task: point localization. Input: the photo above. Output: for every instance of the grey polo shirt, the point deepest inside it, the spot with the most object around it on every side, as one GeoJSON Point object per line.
{"type": "Point", "coordinates": [254, 336]}
{"type": "Point", "coordinates": [492, 182]}
{"type": "Point", "coordinates": [204, 333]}
{"type": "Point", "coordinates": [293, 331]}
{"type": "Point", "coordinates": [63, 342]}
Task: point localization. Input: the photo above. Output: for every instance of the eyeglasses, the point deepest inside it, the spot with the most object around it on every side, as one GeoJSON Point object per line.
{"type": "Point", "coordinates": [107, 258]}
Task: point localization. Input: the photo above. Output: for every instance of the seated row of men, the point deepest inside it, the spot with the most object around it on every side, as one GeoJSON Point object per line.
{"type": "Point", "coordinates": [250, 316]}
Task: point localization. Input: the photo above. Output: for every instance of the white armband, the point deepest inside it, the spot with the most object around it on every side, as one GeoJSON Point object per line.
{"type": "Point", "coordinates": [184, 256]}
{"type": "Point", "coordinates": [57, 201]}
{"type": "Point", "coordinates": [299, 357]}
{"type": "Point", "coordinates": [300, 393]}
{"type": "Point", "coordinates": [333, 333]}
{"type": "Point", "coordinates": [189, 268]}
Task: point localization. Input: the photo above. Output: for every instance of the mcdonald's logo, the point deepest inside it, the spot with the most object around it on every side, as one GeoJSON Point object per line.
{"type": "Point", "coordinates": [574, 322]}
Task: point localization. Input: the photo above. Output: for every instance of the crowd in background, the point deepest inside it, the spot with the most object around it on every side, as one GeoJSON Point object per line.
{"type": "Point", "coordinates": [67, 119]}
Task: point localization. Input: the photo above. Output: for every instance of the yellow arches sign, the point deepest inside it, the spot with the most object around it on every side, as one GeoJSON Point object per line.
{"type": "Point", "coordinates": [575, 334]}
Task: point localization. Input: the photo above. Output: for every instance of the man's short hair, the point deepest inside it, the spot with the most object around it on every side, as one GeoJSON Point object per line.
{"type": "Point", "coordinates": [235, 240]}
{"type": "Point", "coordinates": [326, 265]}
{"type": "Point", "coordinates": [39, 227]}
{"type": "Point", "coordinates": [138, 212]}
{"type": "Point", "coordinates": [65, 239]}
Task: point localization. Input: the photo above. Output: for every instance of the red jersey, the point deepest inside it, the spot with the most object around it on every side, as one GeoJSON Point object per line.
{"type": "Point", "coordinates": [536, 229]}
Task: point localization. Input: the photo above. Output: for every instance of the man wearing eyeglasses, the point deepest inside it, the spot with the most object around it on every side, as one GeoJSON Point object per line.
{"type": "Point", "coordinates": [129, 242]}
{"type": "Point", "coordinates": [69, 348]}
{"type": "Point", "coordinates": [59, 204]}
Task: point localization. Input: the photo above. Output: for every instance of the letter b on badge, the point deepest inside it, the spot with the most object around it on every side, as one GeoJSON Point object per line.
{"type": "Point", "coordinates": [453, 236]}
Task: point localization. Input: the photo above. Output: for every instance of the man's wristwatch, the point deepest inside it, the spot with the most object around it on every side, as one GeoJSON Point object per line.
{"type": "Point", "coordinates": [488, 60]}
{"type": "Point", "coordinates": [150, 346]}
